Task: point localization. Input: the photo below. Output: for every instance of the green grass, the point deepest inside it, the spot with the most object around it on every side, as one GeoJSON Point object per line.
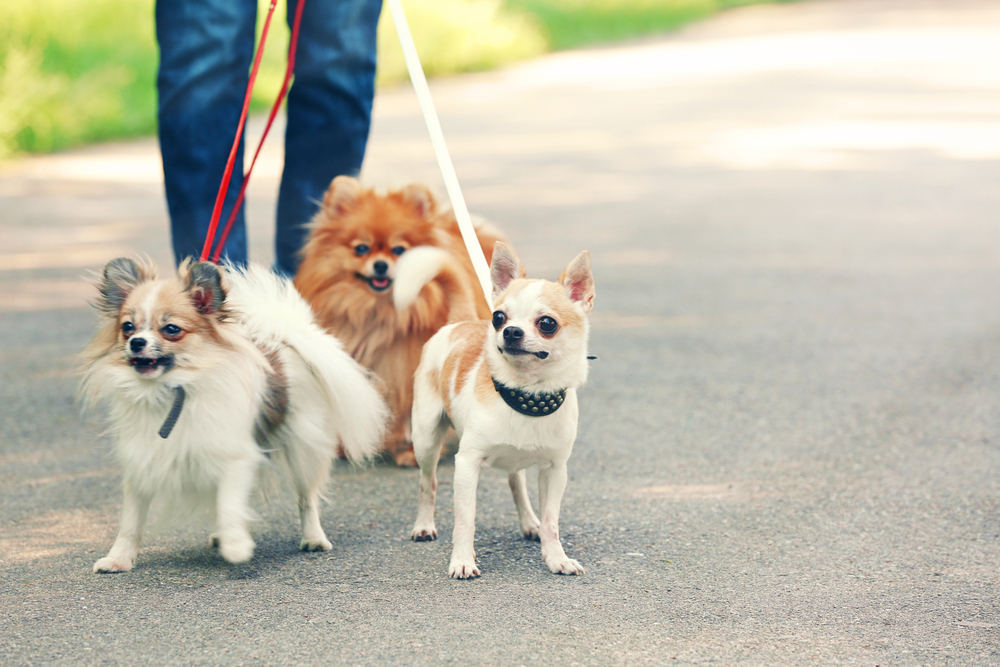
{"type": "Point", "coordinates": [74, 72]}
{"type": "Point", "coordinates": [573, 23]}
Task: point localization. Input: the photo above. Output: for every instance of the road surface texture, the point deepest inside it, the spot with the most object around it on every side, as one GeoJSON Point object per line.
{"type": "Point", "coordinates": [789, 449]}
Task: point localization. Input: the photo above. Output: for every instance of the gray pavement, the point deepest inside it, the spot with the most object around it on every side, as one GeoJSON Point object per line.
{"type": "Point", "coordinates": [789, 450]}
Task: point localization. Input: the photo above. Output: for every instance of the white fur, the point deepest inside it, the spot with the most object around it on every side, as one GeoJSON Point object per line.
{"type": "Point", "coordinates": [491, 433]}
{"type": "Point", "coordinates": [276, 317]}
{"type": "Point", "coordinates": [414, 269]}
{"type": "Point", "coordinates": [211, 458]}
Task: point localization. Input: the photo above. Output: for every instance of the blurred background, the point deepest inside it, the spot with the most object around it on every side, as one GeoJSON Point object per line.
{"type": "Point", "coordinates": [790, 446]}
{"type": "Point", "coordinates": [74, 73]}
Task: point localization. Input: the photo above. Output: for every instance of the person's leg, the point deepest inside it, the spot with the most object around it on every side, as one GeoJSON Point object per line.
{"type": "Point", "coordinates": [329, 112]}
{"type": "Point", "coordinates": [206, 48]}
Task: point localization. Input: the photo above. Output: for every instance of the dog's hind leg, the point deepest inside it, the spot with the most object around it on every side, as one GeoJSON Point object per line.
{"type": "Point", "coordinates": [310, 483]}
{"type": "Point", "coordinates": [313, 537]}
{"type": "Point", "coordinates": [122, 556]}
{"type": "Point", "coordinates": [309, 467]}
{"type": "Point", "coordinates": [233, 512]}
{"type": "Point", "coordinates": [525, 515]}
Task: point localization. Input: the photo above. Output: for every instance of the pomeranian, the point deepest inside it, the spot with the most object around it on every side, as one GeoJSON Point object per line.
{"type": "Point", "coordinates": [209, 375]}
{"type": "Point", "coordinates": [508, 387]}
{"type": "Point", "coordinates": [383, 308]}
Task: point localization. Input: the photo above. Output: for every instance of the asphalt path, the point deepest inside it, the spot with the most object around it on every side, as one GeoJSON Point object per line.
{"type": "Point", "coordinates": [789, 448]}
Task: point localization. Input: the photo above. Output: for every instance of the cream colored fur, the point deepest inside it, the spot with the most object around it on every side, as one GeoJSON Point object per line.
{"type": "Point", "coordinates": [211, 459]}
{"type": "Point", "coordinates": [453, 387]}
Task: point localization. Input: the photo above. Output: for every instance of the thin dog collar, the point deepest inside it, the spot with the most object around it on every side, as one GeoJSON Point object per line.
{"type": "Point", "coordinates": [174, 414]}
{"type": "Point", "coordinates": [528, 404]}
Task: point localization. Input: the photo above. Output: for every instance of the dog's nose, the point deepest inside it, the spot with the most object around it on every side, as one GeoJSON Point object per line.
{"type": "Point", "coordinates": [381, 268]}
{"type": "Point", "coordinates": [137, 344]}
{"type": "Point", "coordinates": [513, 334]}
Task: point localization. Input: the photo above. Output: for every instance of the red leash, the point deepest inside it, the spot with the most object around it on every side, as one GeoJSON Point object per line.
{"type": "Point", "coordinates": [228, 174]}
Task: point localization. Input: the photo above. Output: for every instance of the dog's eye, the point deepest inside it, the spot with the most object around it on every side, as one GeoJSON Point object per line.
{"type": "Point", "coordinates": [361, 249]}
{"type": "Point", "coordinates": [128, 328]}
{"type": "Point", "coordinates": [171, 331]}
{"type": "Point", "coordinates": [498, 319]}
{"type": "Point", "coordinates": [547, 325]}
{"type": "Point", "coordinates": [398, 250]}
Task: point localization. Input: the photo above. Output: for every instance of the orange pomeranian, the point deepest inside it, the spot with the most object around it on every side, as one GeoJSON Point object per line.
{"type": "Point", "coordinates": [384, 272]}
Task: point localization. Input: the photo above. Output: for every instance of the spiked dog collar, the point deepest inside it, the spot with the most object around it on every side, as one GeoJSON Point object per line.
{"type": "Point", "coordinates": [531, 405]}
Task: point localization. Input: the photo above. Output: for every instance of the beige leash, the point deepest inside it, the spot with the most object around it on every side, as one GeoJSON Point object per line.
{"type": "Point", "coordinates": [419, 81]}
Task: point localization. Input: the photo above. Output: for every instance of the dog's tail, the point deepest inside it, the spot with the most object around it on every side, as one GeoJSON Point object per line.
{"type": "Point", "coordinates": [423, 264]}
{"type": "Point", "coordinates": [277, 317]}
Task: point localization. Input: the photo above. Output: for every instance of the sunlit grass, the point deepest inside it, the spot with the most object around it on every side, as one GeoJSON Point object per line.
{"type": "Point", "coordinates": [572, 23]}
{"type": "Point", "coordinates": [74, 72]}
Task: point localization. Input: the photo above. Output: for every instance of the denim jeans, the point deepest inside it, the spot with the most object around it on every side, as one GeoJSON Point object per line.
{"type": "Point", "coordinates": [206, 50]}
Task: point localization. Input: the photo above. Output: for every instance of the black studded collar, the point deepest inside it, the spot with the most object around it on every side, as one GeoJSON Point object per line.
{"type": "Point", "coordinates": [531, 405]}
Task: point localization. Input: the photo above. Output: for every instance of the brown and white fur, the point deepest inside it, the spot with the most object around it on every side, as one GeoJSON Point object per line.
{"type": "Point", "coordinates": [355, 263]}
{"type": "Point", "coordinates": [261, 380]}
{"type": "Point", "coordinates": [454, 387]}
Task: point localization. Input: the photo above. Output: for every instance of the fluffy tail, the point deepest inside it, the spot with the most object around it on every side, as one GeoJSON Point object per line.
{"type": "Point", "coordinates": [276, 317]}
{"type": "Point", "coordinates": [423, 264]}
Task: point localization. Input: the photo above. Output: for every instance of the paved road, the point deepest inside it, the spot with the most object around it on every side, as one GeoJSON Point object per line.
{"type": "Point", "coordinates": [789, 449]}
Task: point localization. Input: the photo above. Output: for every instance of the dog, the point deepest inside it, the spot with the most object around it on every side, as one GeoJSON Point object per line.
{"type": "Point", "coordinates": [352, 270]}
{"type": "Point", "coordinates": [209, 376]}
{"type": "Point", "coordinates": [508, 387]}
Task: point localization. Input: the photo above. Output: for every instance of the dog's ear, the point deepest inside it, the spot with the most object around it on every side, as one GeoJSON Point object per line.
{"type": "Point", "coordinates": [579, 281]}
{"type": "Point", "coordinates": [505, 268]}
{"type": "Point", "coordinates": [121, 276]}
{"type": "Point", "coordinates": [341, 195]}
{"type": "Point", "coordinates": [204, 284]}
{"type": "Point", "coordinates": [420, 199]}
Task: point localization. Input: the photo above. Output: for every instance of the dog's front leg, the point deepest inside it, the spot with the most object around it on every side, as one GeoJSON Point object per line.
{"type": "Point", "coordinates": [233, 513]}
{"type": "Point", "coordinates": [551, 485]}
{"type": "Point", "coordinates": [424, 528]}
{"type": "Point", "coordinates": [463, 553]}
{"type": "Point", "coordinates": [428, 440]}
{"type": "Point", "coordinates": [121, 558]}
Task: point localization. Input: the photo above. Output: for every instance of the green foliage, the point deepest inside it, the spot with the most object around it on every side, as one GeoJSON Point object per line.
{"type": "Point", "coordinates": [573, 23]}
{"type": "Point", "coordinates": [459, 36]}
{"type": "Point", "coordinates": [73, 72]}
{"type": "Point", "coordinates": [81, 71]}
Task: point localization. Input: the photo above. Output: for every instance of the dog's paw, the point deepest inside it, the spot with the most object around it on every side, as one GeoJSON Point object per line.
{"type": "Point", "coordinates": [109, 565]}
{"type": "Point", "coordinates": [565, 566]}
{"type": "Point", "coordinates": [405, 458]}
{"type": "Point", "coordinates": [424, 534]}
{"type": "Point", "coordinates": [463, 570]}
{"type": "Point", "coordinates": [315, 544]}
{"type": "Point", "coordinates": [530, 532]}
{"type": "Point", "coordinates": [238, 549]}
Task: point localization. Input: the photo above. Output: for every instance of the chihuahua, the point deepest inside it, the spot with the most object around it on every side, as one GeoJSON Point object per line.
{"type": "Point", "coordinates": [509, 389]}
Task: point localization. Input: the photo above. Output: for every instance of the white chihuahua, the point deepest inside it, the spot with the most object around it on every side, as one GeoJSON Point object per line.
{"type": "Point", "coordinates": [509, 389]}
{"type": "Point", "coordinates": [207, 374]}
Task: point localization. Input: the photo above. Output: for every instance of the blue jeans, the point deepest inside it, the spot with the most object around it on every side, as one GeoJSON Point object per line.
{"type": "Point", "coordinates": [206, 50]}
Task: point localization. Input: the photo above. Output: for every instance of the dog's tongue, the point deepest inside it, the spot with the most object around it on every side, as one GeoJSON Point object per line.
{"type": "Point", "coordinates": [380, 283]}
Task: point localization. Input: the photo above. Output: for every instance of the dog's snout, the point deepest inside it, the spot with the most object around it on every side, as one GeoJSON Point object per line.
{"type": "Point", "coordinates": [381, 268]}
{"type": "Point", "coordinates": [513, 334]}
{"type": "Point", "coordinates": [137, 344]}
